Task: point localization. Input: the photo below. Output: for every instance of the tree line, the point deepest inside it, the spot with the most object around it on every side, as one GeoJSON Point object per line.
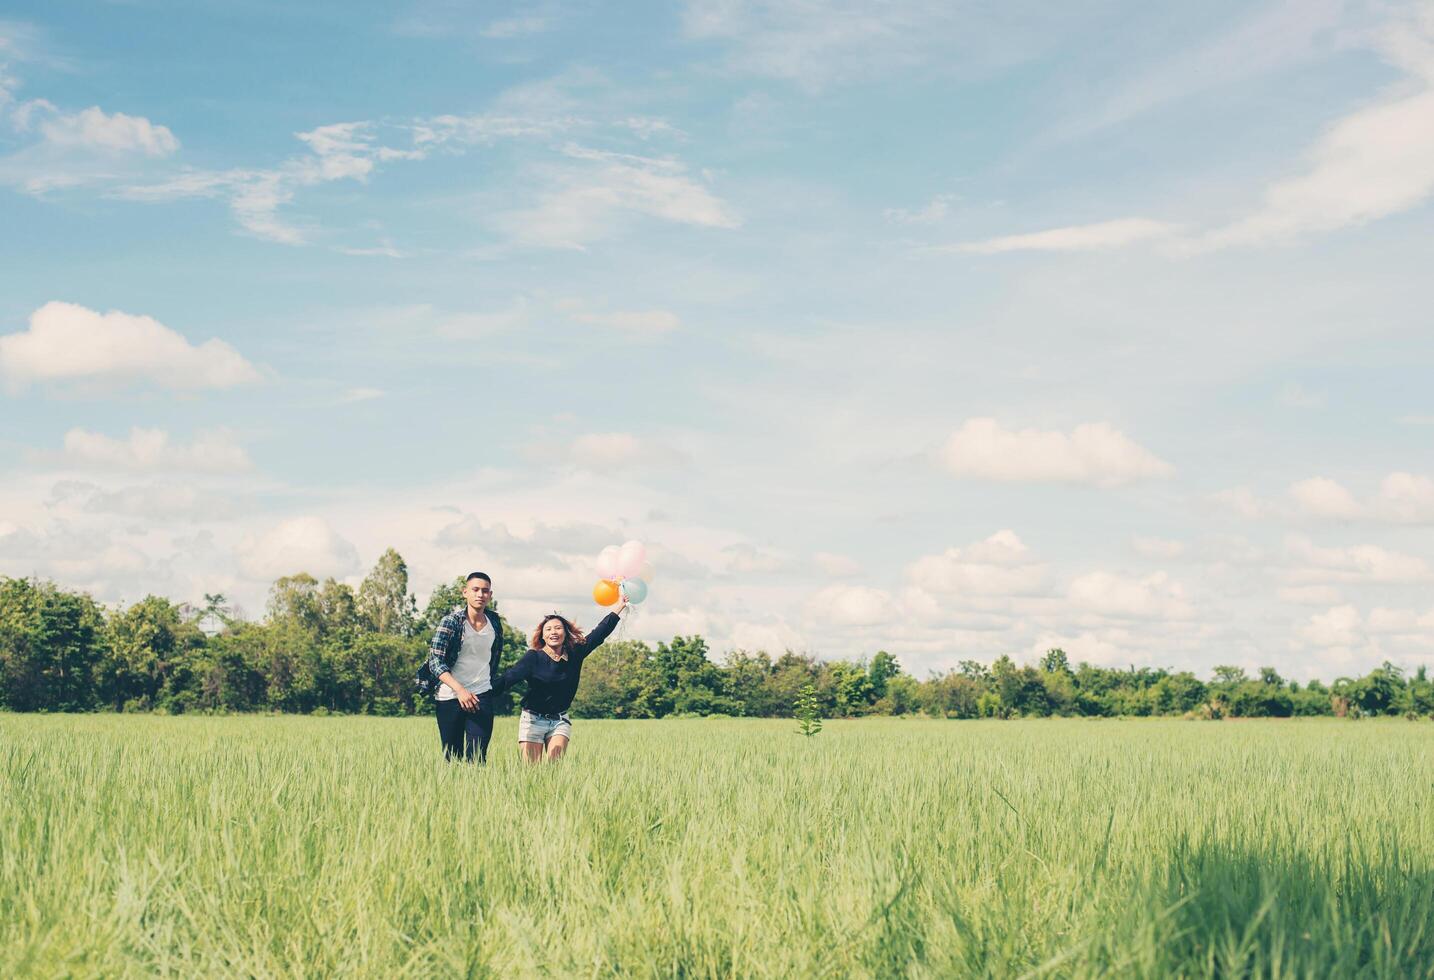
{"type": "Point", "coordinates": [324, 647]}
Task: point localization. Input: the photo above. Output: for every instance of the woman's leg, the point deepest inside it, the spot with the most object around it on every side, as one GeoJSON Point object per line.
{"type": "Point", "coordinates": [557, 745]}
{"type": "Point", "coordinates": [558, 741]}
{"type": "Point", "coordinates": [530, 738]}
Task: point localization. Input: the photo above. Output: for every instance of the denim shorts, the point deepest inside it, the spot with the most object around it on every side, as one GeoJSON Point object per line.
{"type": "Point", "coordinates": [539, 728]}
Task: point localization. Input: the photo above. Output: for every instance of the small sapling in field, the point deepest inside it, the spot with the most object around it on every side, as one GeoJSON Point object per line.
{"type": "Point", "coordinates": [808, 713]}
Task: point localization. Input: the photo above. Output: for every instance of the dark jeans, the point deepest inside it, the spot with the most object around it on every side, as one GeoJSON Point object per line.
{"type": "Point", "coordinates": [465, 734]}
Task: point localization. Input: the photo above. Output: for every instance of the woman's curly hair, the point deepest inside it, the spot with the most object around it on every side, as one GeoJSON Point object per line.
{"type": "Point", "coordinates": [572, 635]}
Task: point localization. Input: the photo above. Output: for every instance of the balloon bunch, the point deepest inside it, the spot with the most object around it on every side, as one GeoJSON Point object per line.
{"type": "Point", "coordinates": [622, 571]}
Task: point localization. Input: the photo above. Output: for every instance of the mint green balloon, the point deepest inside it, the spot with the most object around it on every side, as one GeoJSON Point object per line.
{"type": "Point", "coordinates": [635, 589]}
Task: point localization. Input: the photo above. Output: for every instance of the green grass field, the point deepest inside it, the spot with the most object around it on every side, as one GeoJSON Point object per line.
{"type": "Point", "coordinates": [265, 847]}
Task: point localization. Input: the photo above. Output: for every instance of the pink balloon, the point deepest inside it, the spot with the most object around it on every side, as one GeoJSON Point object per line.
{"type": "Point", "coordinates": [608, 563]}
{"type": "Point", "coordinates": [630, 559]}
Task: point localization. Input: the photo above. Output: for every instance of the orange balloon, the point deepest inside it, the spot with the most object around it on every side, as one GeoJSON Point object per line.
{"type": "Point", "coordinates": [605, 592]}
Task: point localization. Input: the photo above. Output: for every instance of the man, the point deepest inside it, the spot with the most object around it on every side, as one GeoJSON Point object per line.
{"type": "Point", "coordinates": [463, 659]}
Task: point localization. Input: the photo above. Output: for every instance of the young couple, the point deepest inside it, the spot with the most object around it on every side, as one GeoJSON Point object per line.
{"type": "Point", "coordinates": [462, 674]}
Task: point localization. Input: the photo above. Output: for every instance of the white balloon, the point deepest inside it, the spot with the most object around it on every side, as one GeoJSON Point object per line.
{"type": "Point", "coordinates": [630, 559]}
{"type": "Point", "coordinates": [646, 572]}
{"type": "Point", "coordinates": [608, 563]}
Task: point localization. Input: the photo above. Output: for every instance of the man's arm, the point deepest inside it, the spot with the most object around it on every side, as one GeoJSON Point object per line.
{"type": "Point", "coordinates": [440, 666]}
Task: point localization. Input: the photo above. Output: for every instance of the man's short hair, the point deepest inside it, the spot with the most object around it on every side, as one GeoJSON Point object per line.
{"type": "Point", "coordinates": [483, 575]}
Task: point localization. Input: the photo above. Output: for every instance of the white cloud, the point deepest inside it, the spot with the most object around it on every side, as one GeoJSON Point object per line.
{"type": "Point", "coordinates": [815, 44]}
{"type": "Point", "coordinates": [583, 203]}
{"type": "Point", "coordinates": [93, 129]}
{"type": "Point", "coordinates": [1400, 621]}
{"type": "Point", "coordinates": [635, 323]}
{"type": "Point", "coordinates": [510, 27]}
{"type": "Point", "coordinates": [1162, 548]}
{"type": "Point", "coordinates": [1104, 648]}
{"type": "Point", "coordinates": [338, 151]}
{"type": "Point", "coordinates": [851, 605]}
{"type": "Point", "coordinates": [1320, 496]}
{"type": "Point", "coordinates": [361, 395]}
{"type": "Point", "coordinates": [68, 342]}
{"type": "Point", "coordinates": [657, 625]}
{"type": "Point", "coordinates": [1374, 162]}
{"type": "Point", "coordinates": [1340, 626]}
{"type": "Point", "coordinates": [933, 212]}
{"type": "Point", "coordinates": [1092, 453]}
{"type": "Point", "coordinates": [300, 544]}
{"type": "Point", "coordinates": [151, 449]}
{"type": "Point", "coordinates": [746, 559]}
{"type": "Point", "coordinates": [1357, 563]}
{"type": "Point", "coordinates": [1309, 595]}
{"type": "Point", "coordinates": [837, 566]}
{"type": "Point", "coordinates": [165, 500]}
{"type": "Point", "coordinates": [1274, 37]}
{"type": "Point", "coordinates": [1109, 594]}
{"type": "Point", "coordinates": [616, 450]}
{"type": "Point", "coordinates": [1402, 498]}
{"type": "Point", "coordinates": [1101, 235]}
{"type": "Point", "coordinates": [341, 150]}
{"type": "Point", "coordinates": [1240, 501]}
{"type": "Point", "coordinates": [1406, 498]}
{"type": "Point", "coordinates": [773, 639]}
{"type": "Point", "coordinates": [998, 566]}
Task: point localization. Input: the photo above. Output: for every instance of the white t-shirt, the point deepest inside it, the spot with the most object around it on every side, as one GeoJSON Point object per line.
{"type": "Point", "coordinates": [471, 667]}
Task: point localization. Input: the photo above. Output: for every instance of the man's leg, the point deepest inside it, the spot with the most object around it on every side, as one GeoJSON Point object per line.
{"type": "Point", "coordinates": [531, 751]}
{"type": "Point", "coordinates": [477, 732]}
{"type": "Point", "coordinates": [450, 727]}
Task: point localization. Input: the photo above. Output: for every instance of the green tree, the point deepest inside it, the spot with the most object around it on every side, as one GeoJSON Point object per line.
{"type": "Point", "coordinates": [952, 695]}
{"type": "Point", "coordinates": [621, 680]}
{"type": "Point", "coordinates": [338, 610]}
{"type": "Point", "coordinates": [1228, 676]}
{"type": "Point", "coordinates": [294, 600]}
{"type": "Point", "coordinates": [443, 600]}
{"type": "Point", "coordinates": [696, 682]}
{"type": "Point", "coordinates": [383, 597]}
{"type": "Point", "coordinates": [882, 669]}
{"type": "Point", "coordinates": [1056, 661]}
{"type": "Point", "coordinates": [144, 645]}
{"type": "Point", "coordinates": [49, 642]}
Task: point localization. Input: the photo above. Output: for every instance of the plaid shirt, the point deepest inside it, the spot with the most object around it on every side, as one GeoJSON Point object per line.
{"type": "Point", "coordinates": [448, 639]}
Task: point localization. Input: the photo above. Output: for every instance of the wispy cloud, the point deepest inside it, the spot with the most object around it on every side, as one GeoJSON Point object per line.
{"type": "Point", "coordinates": [1276, 37]}
{"type": "Point", "coordinates": [632, 323]}
{"type": "Point", "coordinates": [510, 27]}
{"type": "Point", "coordinates": [586, 200]}
{"type": "Point", "coordinates": [1072, 238]}
{"type": "Point", "coordinates": [339, 151]}
{"type": "Point", "coordinates": [153, 450]}
{"type": "Point", "coordinates": [933, 212]}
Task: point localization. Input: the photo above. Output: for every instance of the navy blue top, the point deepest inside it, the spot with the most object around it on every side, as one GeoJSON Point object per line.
{"type": "Point", "coordinates": [552, 683]}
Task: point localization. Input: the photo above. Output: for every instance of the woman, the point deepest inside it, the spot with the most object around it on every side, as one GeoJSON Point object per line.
{"type": "Point", "coordinates": [552, 667]}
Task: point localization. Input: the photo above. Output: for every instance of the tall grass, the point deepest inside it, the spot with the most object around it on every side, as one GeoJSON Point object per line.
{"type": "Point", "coordinates": [269, 847]}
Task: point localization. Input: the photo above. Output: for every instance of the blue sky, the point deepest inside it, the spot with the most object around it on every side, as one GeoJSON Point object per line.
{"type": "Point", "coordinates": [929, 327]}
